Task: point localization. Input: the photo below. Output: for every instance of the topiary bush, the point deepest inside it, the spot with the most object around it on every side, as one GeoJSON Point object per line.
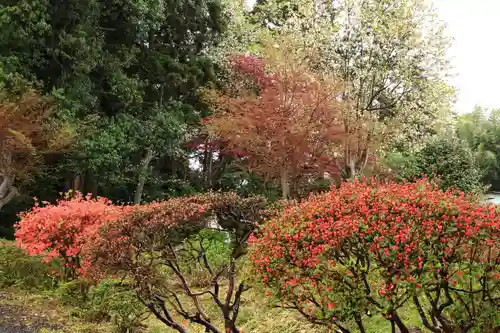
{"type": "Point", "coordinates": [24, 271]}
{"type": "Point", "coordinates": [369, 248]}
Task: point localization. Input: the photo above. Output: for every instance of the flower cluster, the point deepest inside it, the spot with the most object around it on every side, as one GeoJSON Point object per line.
{"type": "Point", "coordinates": [60, 230]}
{"type": "Point", "coordinates": [373, 246]}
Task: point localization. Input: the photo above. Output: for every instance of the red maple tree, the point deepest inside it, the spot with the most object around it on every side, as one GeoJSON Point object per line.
{"type": "Point", "coordinates": [283, 119]}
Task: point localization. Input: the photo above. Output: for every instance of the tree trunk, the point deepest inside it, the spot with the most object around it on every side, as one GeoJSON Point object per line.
{"type": "Point", "coordinates": [7, 190]}
{"type": "Point", "coordinates": [285, 185]}
{"type": "Point", "coordinates": [352, 168]}
{"type": "Point", "coordinates": [76, 182]}
{"type": "Point", "coordinates": [142, 176]}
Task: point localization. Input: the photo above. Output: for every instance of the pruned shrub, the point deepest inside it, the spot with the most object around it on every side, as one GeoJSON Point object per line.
{"type": "Point", "coordinates": [60, 230]}
{"type": "Point", "coordinates": [369, 248]}
{"type": "Point", "coordinates": [158, 246]}
{"type": "Point", "coordinates": [20, 270]}
{"type": "Point", "coordinates": [115, 300]}
{"type": "Point", "coordinates": [74, 292]}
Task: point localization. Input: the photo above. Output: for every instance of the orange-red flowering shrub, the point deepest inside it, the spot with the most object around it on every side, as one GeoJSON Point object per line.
{"type": "Point", "coordinates": [60, 230]}
{"type": "Point", "coordinates": [158, 247]}
{"type": "Point", "coordinates": [370, 248]}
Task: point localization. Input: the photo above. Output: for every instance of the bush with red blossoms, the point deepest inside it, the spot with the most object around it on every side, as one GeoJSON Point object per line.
{"type": "Point", "coordinates": [59, 231]}
{"type": "Point", "coordinates": [166, 250]}
{"type": "Point", "coordinates": [371, 249]}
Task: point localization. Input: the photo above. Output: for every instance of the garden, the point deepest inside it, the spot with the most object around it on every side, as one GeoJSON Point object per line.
{"type": "Point", "coordinates": [210, 166]}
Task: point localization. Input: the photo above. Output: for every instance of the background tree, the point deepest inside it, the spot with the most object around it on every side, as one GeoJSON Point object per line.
{"type": "Point", "coordinates": [26, 133]}
{"type": "Point", "coordinates": [125, 74]}
{"type": "Point", "coordinates": [481, 130]}
{"type": "Point", "coordinates": [448, 161]}
{"type": "Point", "coordinates": [281, 117]}
{"type": "Point", "coordinates": [389, 54]}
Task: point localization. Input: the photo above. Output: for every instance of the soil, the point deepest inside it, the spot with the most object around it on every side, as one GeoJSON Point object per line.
{"type": "Point", "coordinates": [16, 319]}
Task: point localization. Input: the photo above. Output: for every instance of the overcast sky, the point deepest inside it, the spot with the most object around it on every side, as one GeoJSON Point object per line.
{"type": "Point", "coordinates": [475, 53]}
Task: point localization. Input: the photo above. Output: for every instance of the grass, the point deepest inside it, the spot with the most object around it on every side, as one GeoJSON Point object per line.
{"type": "Point", "coordinates": [31, 307]}
{"type": "Point", "coordinates": [256, 314]}
{"type": "Point", "coordinates": [253, 316]}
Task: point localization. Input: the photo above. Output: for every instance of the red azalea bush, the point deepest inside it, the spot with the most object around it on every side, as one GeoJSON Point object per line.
{"type": "Point", "coordinates": [370, 248]}
{"type": "Point", "coordinates": [60, 230]}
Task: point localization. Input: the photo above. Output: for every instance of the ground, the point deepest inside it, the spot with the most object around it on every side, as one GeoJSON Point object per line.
{"type": "Point", "coordinates": [17, 319]}
{"type": "Point", "coordinates": [23, 312]}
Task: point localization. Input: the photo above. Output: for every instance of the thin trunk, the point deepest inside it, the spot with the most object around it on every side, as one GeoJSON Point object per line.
{"type": "Point", "coordinates": [210, 170]}
{"type": "Point", "coordinates": [95, 186]}
{"type": "Point", "coordinates": [77, 182]}
{"type": "Point", "coordinates": [399, 323]}
{"type": "Point", "coordinates": [359, 322]}
{"type": "Point", "coordinates": [205, 168]}
{"type": "Point", "coordinates": [7, 191]}
{"type": "Point", "coordinates": [67, 184]}
{"type": "Point", "coordinates": [285, 185]}
{"type": "Point", "coordinates": [6, 183]}
{"type": "Point", "coordinates": [142, 176]}
{"type": "Point", "coordinates": [352, 168]}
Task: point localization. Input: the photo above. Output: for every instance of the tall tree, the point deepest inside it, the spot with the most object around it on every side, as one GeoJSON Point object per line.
{"type": "Point", "coordinates": [26, 133]}
{"type": "Point", "coordinates": [390, 55]}
{"type": "Point", "coordinates": [283, 119]}
{"type": "Point", "coordinates": [481, 130]}
{"type": "Point", "coordinates": [126, 71]}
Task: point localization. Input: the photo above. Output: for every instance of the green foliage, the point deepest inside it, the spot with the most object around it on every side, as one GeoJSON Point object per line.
{"type": "Point", "coordinates": [481, 130]}
{"type": "Point", "coordinates": [125, 73]}
{"type": "Point", "coordinates": [74, 292]}
{"type": "Point", "coordinates": [403, 165]}
{"type": "Point", "coordinates": [216, 243]}
{"type": "Point", "coordinates": [111, 300]}
{"type": "Point", "coordinates": [451, 163]}
{"type": "Point", "coordinates": [448, 161]}
{"type": "Point", "coordinates": [116, 300]}
{"type": "Point", "coordinates": [20, 270]}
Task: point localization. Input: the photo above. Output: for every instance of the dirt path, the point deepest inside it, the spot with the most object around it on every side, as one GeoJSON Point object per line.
{"type": "Point", "coordinates": [16, 319]}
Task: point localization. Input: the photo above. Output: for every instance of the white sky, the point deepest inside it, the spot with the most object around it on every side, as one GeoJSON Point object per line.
{"type": "Point", "coordinates": [475, 52]}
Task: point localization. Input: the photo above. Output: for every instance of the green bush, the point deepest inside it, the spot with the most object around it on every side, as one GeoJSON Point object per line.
{"type": "Point", "coordinates": [110, 301]}
{"type": "Point", "coordinates": [115, 300]}
{"type": "Point", "coordinates": [447, 161]}
{"type": "Point", "coordinates": [74, 293]}
{"type": "Point", "coordinates": [452, 163]}
{"type": "Point", "coordinates": [23, 271]}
